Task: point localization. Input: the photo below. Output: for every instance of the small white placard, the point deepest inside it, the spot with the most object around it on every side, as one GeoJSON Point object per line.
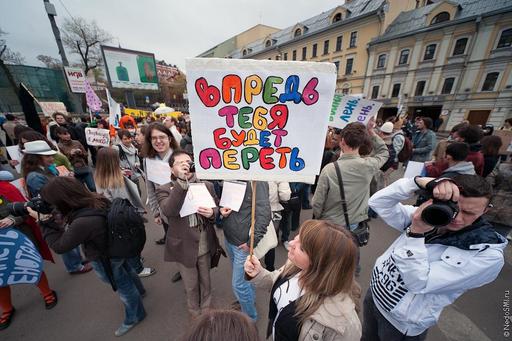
{"type": "Point", "coordinates": [15, 154]}
{"type": "Point", "coordinates": [197, 196]}
{"type": "Point", "coordinates": [414, 168]}
{"type": "Point", "coordinates": [233, 194]}
{"type": "Point", "coordinates": [97, 137]}
{"type": "Point", "coordinates": [158, 171]}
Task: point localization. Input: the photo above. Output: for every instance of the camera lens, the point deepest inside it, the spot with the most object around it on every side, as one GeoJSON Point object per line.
{"type": "Point", "coordinates": [17, 209]}
{"type": "Point", "coordinates": [437, 214]}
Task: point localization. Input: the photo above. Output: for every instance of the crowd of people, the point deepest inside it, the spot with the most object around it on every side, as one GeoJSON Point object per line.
{"type": "Point", "coordinates": [315, 295]}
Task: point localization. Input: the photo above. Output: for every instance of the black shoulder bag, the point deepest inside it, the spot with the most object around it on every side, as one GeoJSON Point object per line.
{"type": "Point", "coordinates": [362, 232]}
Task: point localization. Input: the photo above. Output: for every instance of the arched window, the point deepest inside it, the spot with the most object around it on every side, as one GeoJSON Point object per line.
{"type": "Point", "coordinates": [297, 33]}
{"type": "Point", "coordinates": [443, 16]}
{"type": "Point", "coordinates": [244, 52]}
{"type": "Point", "coordinates": [268, 43]}
{"type": "Point", "coordinates": [381, 61]}
{"type": "Point", "coordinates": [404, 57]}
{"type": "Point", "coordinates": [336, 18]}
{"type": "Point", "coordinates": [505, 39]}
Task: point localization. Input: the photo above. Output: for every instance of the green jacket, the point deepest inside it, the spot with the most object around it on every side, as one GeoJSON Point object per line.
{"type": "Point", "coordinates": [62, 160]}
{"type": "Point", "coordinates": [357, 173]}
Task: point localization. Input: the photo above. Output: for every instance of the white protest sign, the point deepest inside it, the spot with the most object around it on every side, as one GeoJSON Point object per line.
{"type": "Point", "coordinates": [15, 154]}
{"type": "Point", "coordinates": [97, 137]}
{"type": "Point", "coordinates": [158, 171]}
{"type": "Point", "coordinates": [49, 108]}
{"type": "Point", "coordinates": [347, 109]}
{"type": "Point", "coordinates": [413, 169]}
{"type": "Point", "coordinates": [76, 79]}
{"type": "Point", "coordinates": [197, 196]}
{"type": "Point", "coordinates": [232, 195]}
{"type": "Point", "coordinates": [259, 119]}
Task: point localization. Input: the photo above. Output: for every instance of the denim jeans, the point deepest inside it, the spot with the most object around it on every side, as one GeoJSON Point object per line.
{"type": "Point", "coordinates": [72, 260]}
{"type": "Point", "coordinates": [136, 264]}
{"type": "Point", "coordinates": [129, 288]}
{"type": "Point", "coordinates": [244, 291]}
{"type": "Point", "coordinates": [88, 180]}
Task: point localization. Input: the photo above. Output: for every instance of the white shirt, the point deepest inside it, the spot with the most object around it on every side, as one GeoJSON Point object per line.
{"type": "Point", "coordinates": [285, 294]}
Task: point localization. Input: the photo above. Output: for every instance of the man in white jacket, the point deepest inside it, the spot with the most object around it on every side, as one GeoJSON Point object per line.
{"type": "Point", "coordinates": [427, 268]}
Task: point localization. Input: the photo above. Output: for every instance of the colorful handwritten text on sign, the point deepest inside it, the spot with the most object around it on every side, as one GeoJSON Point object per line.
{"type": "Point", "coordinates": [259, 120]}
{"type": "Point", "coordinates": [347, 109]}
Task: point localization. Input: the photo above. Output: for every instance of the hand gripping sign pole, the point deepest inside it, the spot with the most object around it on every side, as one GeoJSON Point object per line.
{"type": "Point", "coordinates": [253, 213]}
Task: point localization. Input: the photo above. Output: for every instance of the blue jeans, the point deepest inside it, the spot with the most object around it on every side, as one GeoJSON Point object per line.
{"type": "Point", "coordinates": [136, 264]}
{"type": "Point", "coordinates": [129, 288]}
{"type": "Point", "coordinates": [72, 260]}
{"type": "Point", "coordinates": [88, 180]}
{"type": "Point", "coordinates": [243, 290]}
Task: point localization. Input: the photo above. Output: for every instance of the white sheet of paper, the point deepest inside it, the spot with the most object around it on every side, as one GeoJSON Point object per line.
{"type": "Point", "coordinates": [233, 194]}
{"type": "Point", "coordinates": [15, 154]}
{"type": "Point", "coordinates": [197, 196]}
{"type": "Point", "coordinates": [158, 171]}
{"type": "Point", "coordinates": [414, 168]}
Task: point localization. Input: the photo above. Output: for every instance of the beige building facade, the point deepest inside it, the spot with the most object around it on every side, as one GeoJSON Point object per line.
{"type": "Point", "coordinates": [448, 59]}
{"type": "Point", "coordinates": [340, 35]}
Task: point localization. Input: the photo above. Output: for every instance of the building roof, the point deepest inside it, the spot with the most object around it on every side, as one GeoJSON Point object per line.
{"type": "Point", "coordinates": [355, 9]}
{"type": "Point", "coordinates": [410, 22]}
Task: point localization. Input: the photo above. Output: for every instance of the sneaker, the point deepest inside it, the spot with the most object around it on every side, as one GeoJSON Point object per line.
{"type": "Point", "coordinates": [286, 245]}
{"type": "Point", "coordinates": [6, 318]}
{"type": "Point", "coordinates": [125, 328]}
{"type": "Point", "coordinates": [85, 269]}
{"type": "Point", "coordinates": [146, 272]}
{"type": "Point", "coordinates": [176, 277]}
{"type": "Point", "coordinates": [50, 300]}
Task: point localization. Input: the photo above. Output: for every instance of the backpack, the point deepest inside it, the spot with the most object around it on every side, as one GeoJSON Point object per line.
{"type": "Point", "coordinates": [126, 231]}
{"type": "Point", "coordinates": [406, 152]}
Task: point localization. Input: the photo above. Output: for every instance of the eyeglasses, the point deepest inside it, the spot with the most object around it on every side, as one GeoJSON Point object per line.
{"type": "Point", "coordinates": [159, 138]}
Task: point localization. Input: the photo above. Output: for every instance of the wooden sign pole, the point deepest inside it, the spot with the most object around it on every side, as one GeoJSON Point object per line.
{"type": "Point", "coordinates": [253, 218]}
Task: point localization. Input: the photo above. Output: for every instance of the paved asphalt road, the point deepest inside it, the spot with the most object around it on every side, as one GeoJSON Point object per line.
{"type": "Point", "coordinates": [89, 310]}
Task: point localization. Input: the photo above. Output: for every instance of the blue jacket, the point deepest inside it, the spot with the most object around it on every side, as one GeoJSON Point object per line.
{"type": "Point", "coordinates": [423, 145]}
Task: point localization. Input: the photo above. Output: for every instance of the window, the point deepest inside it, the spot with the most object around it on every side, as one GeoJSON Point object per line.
{"type": "Point", "coordinates": [353, 39]}
{"type": "Point", "coordinates": [326, 47]}
{"type": "Point", "coordinates": [313, 54]}
{"type": "Point", "coordinates": [336, 18]}
{"type": "Point", "coordinates": [294, 55]}
{"type": "Point", "coordinates": [443, 16]}
{"type": "Point", "coordinates": [505, 39]}
{"type": "Point", "coordinates": [375, 91]}
{"type": "Point", "coordinates": [348, 67]}
{"type": "Point", "coordinates": [268, 43]}
{"type": "Point", "coordinates": [447, 86]}
{"type": "Point", "coordinates": [396, 90]}
{"type": "Point", "coordinates": [430, 52]}
{"type": "Point", "coordinates": [339, 41]}
{"type": "Point", "coordinates": [404, 57]}
{"type": "Point", "coordinates": [345, 91]}
{"type": "Point", "coordinates": [381, 61]}
{"type": "Point", "coordinates": [490, 81]}
{"type": "Point", "coordinates": [304, 52]}
{"type": "Point", "coordinates": [460, 46]}
{"type": "Point", "coordinates": [297, 33]}
{"type": "Point", "coordinates": [285, 56]}
{"type": "Point", "coordinates": [337, 63]}
{"type": "Point", "coordinates": [420, 87]}
{"type": "Point", "coordinates": [278, 57]}
{"type": "Point", "coordinates": [244, 52]}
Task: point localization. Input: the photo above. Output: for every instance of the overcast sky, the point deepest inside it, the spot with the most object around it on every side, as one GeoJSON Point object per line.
{"type": "Point", "coordinates": [173, 30]}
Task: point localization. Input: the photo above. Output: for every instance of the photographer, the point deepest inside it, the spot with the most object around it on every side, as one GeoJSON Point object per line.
{"type": "Point", "coordinates": [84, 223]}
{"type": "Point", "coordinates": [433, 262]}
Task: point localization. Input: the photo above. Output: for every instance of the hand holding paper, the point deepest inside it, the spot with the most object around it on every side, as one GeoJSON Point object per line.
{"type": "Point", "coordinates": [233, 194]}
{"type": "Point", "coordinates": [197, 196]}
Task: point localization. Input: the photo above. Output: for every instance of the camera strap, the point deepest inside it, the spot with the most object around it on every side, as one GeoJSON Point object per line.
{"type": "Point", "coordinates": [342, 192]}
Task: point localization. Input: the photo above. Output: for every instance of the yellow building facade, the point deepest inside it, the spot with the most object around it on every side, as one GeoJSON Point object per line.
{"type": "Point", "coordinates": [448, 59]}
{"type": "Point", "coordinates": [340, 35]}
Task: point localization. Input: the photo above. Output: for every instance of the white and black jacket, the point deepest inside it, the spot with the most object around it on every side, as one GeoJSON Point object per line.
{"type": "Point", "coordinates": [416, 278]}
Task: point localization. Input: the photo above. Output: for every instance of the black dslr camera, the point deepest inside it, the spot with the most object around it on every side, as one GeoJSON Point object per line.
{"type": "Point", "coordinates": [440, 212]}
{"type": "Point", "coordinates": [191, 167]}
{"type": "Point", "coordinates": [18, 209]}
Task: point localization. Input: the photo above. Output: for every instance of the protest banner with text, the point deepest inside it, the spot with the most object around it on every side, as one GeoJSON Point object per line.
{"type": "Point", "coordinates": [347, 109]}
{"type": "Point", "coordinates": [259, 120]}
{"type": "Point", "coordinates": [97, 137]}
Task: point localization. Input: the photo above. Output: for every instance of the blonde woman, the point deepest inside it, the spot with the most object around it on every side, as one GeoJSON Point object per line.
{"type": "Point", "coordinates": [314, 294]}
{"type": "Point", "coordinates": [112, 184]}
